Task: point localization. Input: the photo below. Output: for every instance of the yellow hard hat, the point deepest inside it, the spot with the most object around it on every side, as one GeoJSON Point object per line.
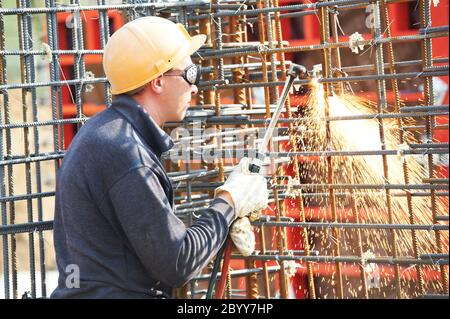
{"type": "Point", "coordinates": [145, 48]}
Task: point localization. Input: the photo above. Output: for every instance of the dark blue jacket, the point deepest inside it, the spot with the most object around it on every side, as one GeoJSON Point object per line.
{"type": "Point", "coordinates": [114, 219]}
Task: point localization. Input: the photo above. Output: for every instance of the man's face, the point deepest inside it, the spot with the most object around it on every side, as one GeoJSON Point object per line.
{"type": "Point", "coordinates": [177, 93]}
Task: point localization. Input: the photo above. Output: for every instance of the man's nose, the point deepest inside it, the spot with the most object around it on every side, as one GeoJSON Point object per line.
{"type": "Point", "coordinates": [194, 89]}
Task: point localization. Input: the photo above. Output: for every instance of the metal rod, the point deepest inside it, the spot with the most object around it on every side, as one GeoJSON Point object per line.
{"type": "Point", "coordinates": [4, 174]}
{"type": "Point", "coordinates": [188, 4]}
{"type": "Point", "coordinates": [354, 259]}
{"type": "Point", "coordinates": [426, 50]}
{"type": "Point", "coordinates": [213, 185]}
{"type": "Point", "coordinates": [430, 227]}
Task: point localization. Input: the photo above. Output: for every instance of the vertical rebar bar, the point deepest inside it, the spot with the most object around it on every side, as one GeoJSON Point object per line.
{"type": "Point", "coordinates": [295, 165]}
{"type": "Point", "coordinates": [263, 57]}
{"type": "Point", "coordinates": [104, 36]}
{"type": "Point", "coordinates": [272, 56]}
{"type": "Point", "coordinates": [183, 19]}
{"type": "Point", "coordinates": [237, 73]}
{"type": "Point", "coordinates": [207, 97]}
{"type": "Point", "coordinates": [262, 238]}
{"type": "Point", "coordinates": [276, 169]}
{"type": "Point", "coordinates": [239, 97]}
{"type": "Point", "coordinates": [216, 27]}
{"type": "Point", "coordinates": [55, 71]}
{"type": "Point", "coordinates": [252, 282]}
{"type": "Point", "coordinates": [5, 105]}
{"type": "Point", "coordinates": [355, 214]}
{"type": "Point", "coordinates": [277, 204]}
{"type": "Point", "coordinates": [381, 108]}
{"type": "Point", "coordinates": [249, 103]}
{"type": "Point", "coordinates": [12, 206]}
{"type": "Point", "coordinates": [427, 56]}
{"type": "Point", "coordinates": [394, 83]}
{"type": "Point", "coordinates": [24, 44]}
{"type": "Point", "coordinates": [38, 181]}
{"type": "Point", "coordinates": [79, 66]}
{"type": "Point", "coordinates": [55, 92]}
{"type": "Point", "coordinates": [328, 90]}
{"type": "Point", "coordinates": [337, 53]}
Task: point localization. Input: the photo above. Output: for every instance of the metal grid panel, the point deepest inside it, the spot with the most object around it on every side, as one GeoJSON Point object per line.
{"type": "Point", "coordinates": [329, 224]}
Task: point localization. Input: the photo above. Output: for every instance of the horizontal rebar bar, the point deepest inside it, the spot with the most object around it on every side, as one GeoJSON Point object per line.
{"type": "Point", "coordinates": [212, 54]}
{"type": "Point", "coordinates": [433, 256]}
{"type": "Point", "coordinates": [383, 77]}
{"type": "Point", "coordinates": [421, 127]}
{"type": "Point", "coordinates": [205, 173]}
{"type": "Point", "coordinates": [397, 64]}
{"type": "Point", "coordinates": [245, 272]}
{"type": "Point", "coordinates": [78, 8]}
{"type": "Point", "coordinates": [241, 120]}
{"type": "Point", "coordinates": [26, 227]}
{"type": "Point", "coordinates": [430, 145]}
{"type": "Point", "coordinates": [431, 227]}
{"type": "Point", "coordinates": [201, 205]}
{"type": "Point", "coordinates": [199, 202]}
{"type": "Point", "coordinates": [433, 29]}
{"type": "Point", "coordinates": [314, 11]}
{"type": "Point", "coordinates": [346, 69]}
{"type": "Point", "coordinates": [366, 186]}
{"type": "Point", "coordinates": [421, 194]}
{"type": "Point", "coordinates": [16, 86]}
{"type": "Point", "coordinates": [239, 273]}
{"type": "Point", "coordinates": [246, 120]}
{"type": "Point", "coordinates": [55, 52]}
{"type": "Point", "coordinates": [44, 123]}
{"type": "Point", "coordinates": [26, 196]}
{"type": "Point", "coordinates": [426, 108]}
{"type": "Point", "coordinates": [349, 259]}
{"type": "Point", "coordinates": [359, 78]}
{"type": "Point", "coordinates": [232, 153]}
{"type": "Point", "coordinates": [314, 6]}
{"type": "Point", "coordinates": [213, 173]}
{"type": "Point", "coordinates": [432, 296]}
{"type": "Point", "coordinates": [213, 185]}
{"type": "Point", "coordinates": [32, 159]}
{"type": "Point", "coordinates": [203, 86]}
{"type": "Point", "coordinates": [286, 252]}
{"type": "Point", "coordinates": [187, 4]}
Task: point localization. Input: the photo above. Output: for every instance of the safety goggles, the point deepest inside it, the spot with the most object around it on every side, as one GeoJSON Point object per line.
{"type": "Point", "coordinates": [191, 74]}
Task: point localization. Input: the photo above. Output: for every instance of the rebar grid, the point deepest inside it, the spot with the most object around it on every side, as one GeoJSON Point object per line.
{"type": "Point", "coordinates": [246, 51]}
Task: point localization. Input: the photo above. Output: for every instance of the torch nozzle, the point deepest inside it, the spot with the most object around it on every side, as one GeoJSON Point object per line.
{"type": "Point", "coordinates": [297, 70]}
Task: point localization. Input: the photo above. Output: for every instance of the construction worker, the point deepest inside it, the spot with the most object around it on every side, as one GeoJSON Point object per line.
{"type": "Point", "coordinates": [115, 231]}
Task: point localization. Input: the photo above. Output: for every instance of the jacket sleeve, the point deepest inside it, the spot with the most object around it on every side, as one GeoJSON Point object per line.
{"type": "Point", "coordinates": [170, 251]}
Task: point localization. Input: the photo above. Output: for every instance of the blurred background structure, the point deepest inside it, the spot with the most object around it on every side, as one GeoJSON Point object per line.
{"type": "Point", "coordinates": [359, 171]}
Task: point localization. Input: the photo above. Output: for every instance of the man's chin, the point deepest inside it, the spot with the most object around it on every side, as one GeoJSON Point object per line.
{"type": "Point", "coordinates": [178, 118]}
{"type": "Point", "coordinates": [183, 114]}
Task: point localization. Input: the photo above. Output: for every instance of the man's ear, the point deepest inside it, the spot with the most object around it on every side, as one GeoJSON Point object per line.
{"type": "Point", "coordinates": [157, 85]}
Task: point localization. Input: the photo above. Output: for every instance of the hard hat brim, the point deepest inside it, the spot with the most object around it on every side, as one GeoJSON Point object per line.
{"type": "Point", "coordinates": [196, 42]}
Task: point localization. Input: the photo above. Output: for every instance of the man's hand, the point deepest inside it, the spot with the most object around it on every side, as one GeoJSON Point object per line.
{"type": "Point", "coordinates": [248, 190]}
{"type": "Point", "coordinates": [243, 237]}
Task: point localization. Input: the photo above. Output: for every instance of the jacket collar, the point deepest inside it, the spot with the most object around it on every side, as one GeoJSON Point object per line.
{"type": "Point", "coordinates": [141, 121]}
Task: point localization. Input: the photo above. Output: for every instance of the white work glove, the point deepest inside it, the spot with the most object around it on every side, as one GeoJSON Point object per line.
{"type": "Point", "coordinates": [243, 237]}
{"type": "Point", "coordinates": [248, 190]}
